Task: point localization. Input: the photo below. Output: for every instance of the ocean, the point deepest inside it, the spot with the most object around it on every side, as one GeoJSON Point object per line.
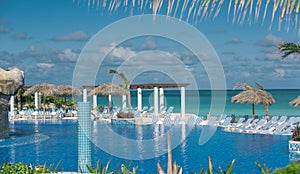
{"type": "Point", "coordinates": [215, 102]}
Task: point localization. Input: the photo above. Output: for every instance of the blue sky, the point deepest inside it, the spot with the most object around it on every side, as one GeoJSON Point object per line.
{"type": "Point", "coordinates": [45, 38]}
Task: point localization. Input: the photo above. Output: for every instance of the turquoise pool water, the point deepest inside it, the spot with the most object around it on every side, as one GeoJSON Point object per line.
{"type": "Point", "coordinates": [53, 140]}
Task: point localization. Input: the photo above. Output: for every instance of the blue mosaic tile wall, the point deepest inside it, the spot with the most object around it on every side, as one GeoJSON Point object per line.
{"type": "Point", "coordinates": [84, 132]}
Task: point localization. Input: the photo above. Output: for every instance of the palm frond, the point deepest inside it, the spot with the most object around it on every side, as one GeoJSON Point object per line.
{"type": "Point", "coordinates": [259, 86]}
{"type": "Point", "coordinates": [288, 48]}
{"type": "Point", "coordinates": [236, 9]}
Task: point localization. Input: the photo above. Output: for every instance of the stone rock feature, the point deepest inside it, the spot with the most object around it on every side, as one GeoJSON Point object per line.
{"type": "Point", "coordinates": [10, 82]}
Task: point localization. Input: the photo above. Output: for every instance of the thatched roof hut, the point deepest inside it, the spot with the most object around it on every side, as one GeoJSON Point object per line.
{"type": "Point", "coordinates": [254, 96]}
{"type": "Point", "coordinates": [295, 102]}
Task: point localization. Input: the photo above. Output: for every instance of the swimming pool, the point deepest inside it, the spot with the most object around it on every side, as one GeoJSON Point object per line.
{"type": "Point", "coordinates": [37, 142]}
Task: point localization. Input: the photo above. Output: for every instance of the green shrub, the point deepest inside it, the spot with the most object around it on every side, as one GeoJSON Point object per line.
{"type": "Point", "coordinates": [10, 168]}
{"type": "Point", "coordinates": [124, 169]}
{"type": "Point", "coordinates": [290, 169]}
{"type": "Point", "coordinates": [296, 133]}
{"type": "Point", "coordinates": [211, 170]}
{"type": "Point", "coordinates": [100, 107]}
{"type": "Point", "coordinates": [263, 169]}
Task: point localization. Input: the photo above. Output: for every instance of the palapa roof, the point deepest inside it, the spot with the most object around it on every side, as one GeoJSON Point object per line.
{"type": "Point", "coordinates": [43, 88]}
{"type": "Point", "coordinates": [295, 102]}
{"type": "Point", "coordinates": [67, 90]}
{"type": "Point", "coordinates": [108, 89]}
{"type": "Point", "coordinates": [256, 96]}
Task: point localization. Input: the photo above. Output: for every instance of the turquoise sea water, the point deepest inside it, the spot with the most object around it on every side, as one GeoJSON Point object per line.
{"type": "Point", "coordinates": [201, 102]}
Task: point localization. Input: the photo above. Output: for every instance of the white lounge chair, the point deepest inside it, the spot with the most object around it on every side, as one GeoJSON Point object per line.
{"type": "Point", "coordinates": [198, 120]}
{"type": "Point", "coordinates": [167, 112]}
{"type": "Point", "coordinates": [240, 122]}
{"type": "Point", "coordinates": [167, 121]}
{"type": "Point", "coordinates": [212, 121]}
{"type": "Point", "coordinates": [177, 119]}
{"type": "Point", "coordinates": [226, 122]}
{"type": "Point", "coordinates": [154, 119]}
{"type": "Point", "coordinates": [191, 120]}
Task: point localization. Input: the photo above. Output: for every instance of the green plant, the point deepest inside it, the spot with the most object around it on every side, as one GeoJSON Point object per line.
{"type": "Point", "coordinates": [99, 108]}
{"type": "Point", "coordinates": [296, 133]}
{"type": "Point", "coordinates": [125, 169]}
{"type": "Point", "coordinates": [70, 103]}
{"type": "Point", "coordinates": [263, 169]}
{"type": "Point", "coordinates": [10, 168]}
{"type": "Point", "coordinates": [30, 106]}
{"type": "Point", "coordinates": [99, 168]}
{"type": "Point", "coordinates": [58, 102]}
{"type": "Point", "coordinates": [172, 168]}
{"type": "Point", "coordinates": [290, 169]}
{"type": "Point", "coordinates": [210, 169]}
{"type": "Point", "coordinates": [126, 85]}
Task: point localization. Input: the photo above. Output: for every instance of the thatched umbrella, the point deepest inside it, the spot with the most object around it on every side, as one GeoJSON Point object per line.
{"type": "Point", "coordinates": [295, 102]}
{"type": "Point", "coordinates": [67, 90]}
{"type": "Point", "coordinates": [108, 89]}
{"type": "Point", "coordinates": [43, 88]}
{"type": "Point", "coordinates": [254, 96]}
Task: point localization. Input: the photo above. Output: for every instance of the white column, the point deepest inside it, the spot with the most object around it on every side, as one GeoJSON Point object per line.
{"type": "Point", "coordinates": [155, 101]}
{"type": "Point", "coordinates": [182, 99]}
{"type": "Point", "coordinates": [109, 100]}
{"type": "Point", "coordinates": [123, 102]}
{"type": "Point", "coordinates": [139, 98]}
{"type": "Point", "coordinates": [161, 99]}
{"type": "Point", "coordinates": [94, 101]}
{"type": "Point", "coordinates": [40, 100]}
{"type": "Point", "coordinates": [84, 95]}
{"type": "Point", "coordinates": [36, 100]}
{"type": "Point", "coordinates": [12, 105]}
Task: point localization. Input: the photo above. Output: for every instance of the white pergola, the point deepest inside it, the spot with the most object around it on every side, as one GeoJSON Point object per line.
{"type": "Point", "coordinates": [159, 97]}
{"type": "Point", "coordinates": [158, 89]}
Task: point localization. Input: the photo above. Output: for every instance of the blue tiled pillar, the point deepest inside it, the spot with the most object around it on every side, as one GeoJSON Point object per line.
{"type": "Point", "coordinates": [84, 132]}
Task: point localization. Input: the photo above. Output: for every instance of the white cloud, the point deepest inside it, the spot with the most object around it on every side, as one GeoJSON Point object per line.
{"type": "Point", "coordinates": [45, 65]}
{"type": "Point", "coordinates": [149, 44]}
{"type": "Point", "coordinates": [245, 74]}
{"type": "Point", "coordinates": [73, 36]}
{"type": "Point", "coordinates": [118, 51]}
{"type": "Point", "coordinates": [279, 72]}
{"type": "Point", "coordinates": [3, 29]}
{"type": "Point", "coordinates": [21, 36]}
{"type": "Point", "coordinates": [68, 54]}
{"type": "Point", "coordinates": [269, 40]}
{"type": "Point", "coordinates": [234, 40]}
{"type": "Point", "coordinates": [268, 56]}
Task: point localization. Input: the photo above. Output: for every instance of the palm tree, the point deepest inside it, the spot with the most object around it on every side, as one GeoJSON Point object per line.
{"type": "Point", "coordinates": [126, 85]}
{"type": "Point", "coordinates": [197, 10]}
{"type": "Point", "coordinates": [288, 48]}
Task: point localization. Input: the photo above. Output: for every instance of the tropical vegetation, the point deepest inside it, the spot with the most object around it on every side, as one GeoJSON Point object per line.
{"type": "Point", "coordinates": [240, 11]}
{"type": "Point", "coordinates": [287, 49]}
{"type": "Point", "coordinates": [126, 85]}
{"type": "Point", "coordinates": [296, 133]}
{"type": "Point", "coordinates": [10, 168]}
{"type": "Point", "coordinates": [290, 169]}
